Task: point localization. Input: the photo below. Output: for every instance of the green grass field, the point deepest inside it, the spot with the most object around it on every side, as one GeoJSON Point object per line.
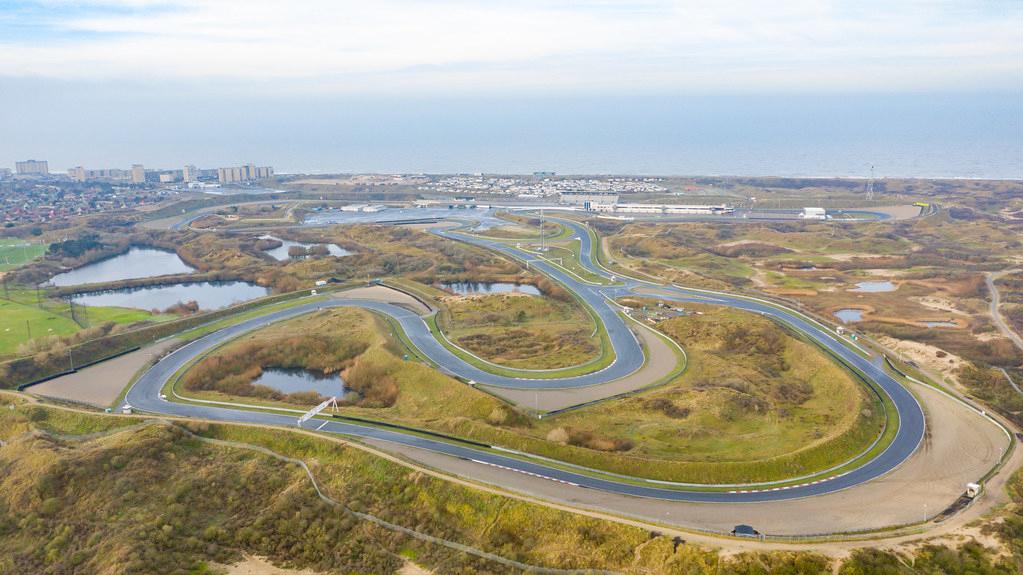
{"type": "Point", "coordinates": [14, 252]}
{"type": "Point", "coordinates": [20, 323]}
{"type": "Point", "coordinates": [21, 319]}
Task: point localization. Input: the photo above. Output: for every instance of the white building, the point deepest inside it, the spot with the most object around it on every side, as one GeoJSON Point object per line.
{"type": "Point", "coordinates": [674, 209]}
{"type": "Point", "coordinates": [246, 173]}
{"type": "Point", "coordinates": [138, 174]}
{"type": "Point", "coordinates": [80, 174]}
{"type": "Point", "coordinates": [590, 201]}
{"type": "Point", "coordinates": [32, 168]}
{"type": "Point", "coordinates": [814, 214]}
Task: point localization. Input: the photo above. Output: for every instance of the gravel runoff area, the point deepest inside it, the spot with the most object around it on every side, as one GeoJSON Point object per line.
{"type": "Point", "coordinates": [101, 384]}
{"type": "Point", "coordinates": [900, 212]}
{"type": "Point", "coordinates": [960, 446]}
{"type": "Point", "coordinates": [385, 294]}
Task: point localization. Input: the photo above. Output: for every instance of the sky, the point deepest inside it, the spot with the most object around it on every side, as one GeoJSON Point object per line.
{"type": "Point", "coordinates": [460, 85]}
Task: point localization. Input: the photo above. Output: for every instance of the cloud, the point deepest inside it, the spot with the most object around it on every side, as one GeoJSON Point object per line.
{"type": "Point", "coordinates": [524, 46]}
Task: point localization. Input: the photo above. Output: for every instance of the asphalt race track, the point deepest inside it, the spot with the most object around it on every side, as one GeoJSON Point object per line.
{"type": "Point", "coordinates": [145, 393]}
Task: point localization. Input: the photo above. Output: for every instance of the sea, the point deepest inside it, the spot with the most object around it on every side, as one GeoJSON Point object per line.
{"type": "Point", "coordinates": [948, 135]}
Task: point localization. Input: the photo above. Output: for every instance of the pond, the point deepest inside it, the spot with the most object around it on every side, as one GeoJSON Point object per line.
{"type": "Point", "coordinates": [849, 315]}
{"type": "Point", "coordinates": [874, 287]}
{"type": "Point", "coordinates": [295, 380]}
{"type": "Point", "coordinates": [482, 288]}
{"type": "Point", "coordinates": [941, 324]}
{"type": "Point", "coordinates": [209, 295]}
{"type": "Point", "coordinates": [136, 263]}
{"type": "Point", "coordinates": [281, 253]}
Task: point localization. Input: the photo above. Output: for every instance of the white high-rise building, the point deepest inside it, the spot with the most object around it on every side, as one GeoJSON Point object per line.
{"type": "Point", "coordinates": [32, 168]}
{"type": "Point", "coordinates": [246, 173]}
{"type": "Point", "coordinates": [138, 174]}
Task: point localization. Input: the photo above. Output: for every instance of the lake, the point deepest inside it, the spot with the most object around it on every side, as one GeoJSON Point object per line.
{"type": "Point", "coordinates": [281, 253]}
{"type": "Point", "coordinates": [874, 287]}
{"type": "Point", "coordinates": [209, 295]}
{"type": "Point", "coordinates": [295, 380]}
{"type": "Point", "coordinates": [136, 263]}
{"type": "Point", "coordinates": [478, 288]}
{"type": "Point", "coordinates": [849, 315]}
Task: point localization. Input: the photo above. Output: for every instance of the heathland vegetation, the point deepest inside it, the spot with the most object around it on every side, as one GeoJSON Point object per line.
{"type": "Point", "coordinates": [755, 404]}
{"type": "Point", "coordinates": [932, 305]}
{"type": "Point", "coordinates": [522, 331]}
{"type": "Point", "coordinates": [177, 499]}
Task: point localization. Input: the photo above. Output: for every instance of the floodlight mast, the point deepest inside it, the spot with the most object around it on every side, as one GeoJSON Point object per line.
{"type": "Point", "coordinates": [543, 237]}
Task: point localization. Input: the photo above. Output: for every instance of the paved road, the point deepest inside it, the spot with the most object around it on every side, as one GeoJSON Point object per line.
{"type": "Point", "coordinates": [144, 395]}
{"type": "Point", "coordinates": [996, 300]}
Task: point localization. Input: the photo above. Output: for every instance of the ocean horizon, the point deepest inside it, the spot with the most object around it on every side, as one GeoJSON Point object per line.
{"type": "Point", "coordinates": [825, 135]}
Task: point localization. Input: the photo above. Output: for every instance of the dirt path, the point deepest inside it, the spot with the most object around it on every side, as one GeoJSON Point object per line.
{"type": "Point", "coordinates": [660, 364]}
{"type": "Point", "coordinates": [252, 565]}
{"type": "Point", "coordinates": [101, 384]}
{"type": "Point", "coordinates": [990, 278]}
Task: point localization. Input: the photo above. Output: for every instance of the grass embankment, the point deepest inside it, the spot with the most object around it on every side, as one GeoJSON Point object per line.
{"type": "Point", "coordinates": [156, 500]}
{"type": "Point", "coordinates": [167, 499]}
{"type": "Point", "coordinates": [742, 412]}
{"type": "Point", "coordinates": [313, 346]}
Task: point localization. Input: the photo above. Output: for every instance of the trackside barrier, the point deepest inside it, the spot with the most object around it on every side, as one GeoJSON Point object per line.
{"type": "Point", "coordinates": [400, 427]}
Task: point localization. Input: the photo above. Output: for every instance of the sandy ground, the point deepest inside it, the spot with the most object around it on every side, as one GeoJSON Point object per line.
{"type": "Point", "coordinates": [100, 384]}
{"type": "Point", "coordinates": [938, 304]}
{"type": "Point", "coordinates": [385, 294]}
{"type": "Point", "coordinates": [849, 256]}
{"type": "Point", "coordinates": [410, 568]}
{"type": "Point", "coordinates": [959, 448]}
{"type": "Point", "coordinates": [661, 363]}
{"type": "Point", "coordinates": [925, 356]}
{"type": "Point", "coordinates": [259, 566]}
